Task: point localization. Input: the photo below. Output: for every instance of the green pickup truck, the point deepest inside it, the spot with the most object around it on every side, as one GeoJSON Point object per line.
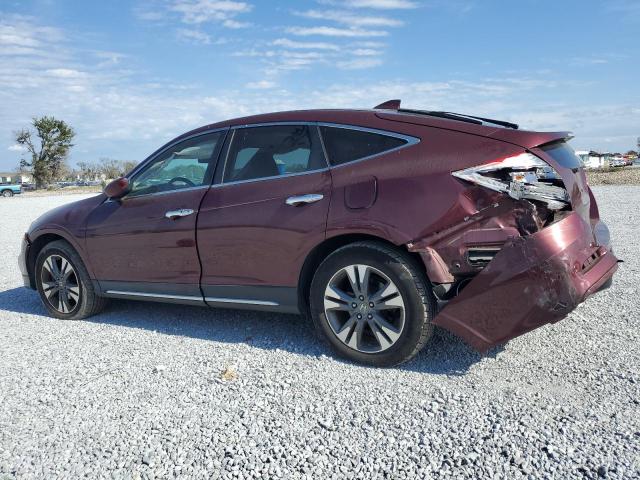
{"type": "Point", "coordinates": [9, 190]}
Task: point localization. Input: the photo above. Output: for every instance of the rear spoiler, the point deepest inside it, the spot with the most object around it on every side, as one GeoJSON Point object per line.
{"type": "Point", "coordinates": [528, 139]}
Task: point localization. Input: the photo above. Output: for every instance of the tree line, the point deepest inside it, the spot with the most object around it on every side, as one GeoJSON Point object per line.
{"type": "Point", "coordinates": [47, 147]}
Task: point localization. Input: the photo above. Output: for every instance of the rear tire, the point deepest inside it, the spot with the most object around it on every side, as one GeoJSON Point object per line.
{"type": "Point", "coordinates": [7, 193]}
{"type": "Point", "coordinates": [64, 284]}
{"type": "Point", "coordinates": [373, 304]}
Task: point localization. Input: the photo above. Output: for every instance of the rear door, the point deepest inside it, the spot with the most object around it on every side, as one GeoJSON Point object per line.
{"type": "Point", "coordinates": [265, 213]}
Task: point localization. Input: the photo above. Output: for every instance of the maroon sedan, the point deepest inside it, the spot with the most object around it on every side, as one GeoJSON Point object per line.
{"type": "Point", "coordinates": [378, 223]}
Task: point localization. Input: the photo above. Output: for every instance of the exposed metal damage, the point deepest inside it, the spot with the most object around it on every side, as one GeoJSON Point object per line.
{"type": "Point", "coordinates": [513, 264]}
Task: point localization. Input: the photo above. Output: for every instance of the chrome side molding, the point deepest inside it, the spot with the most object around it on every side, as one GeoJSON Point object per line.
{"type": "Point", "coordinates": [153, 295]}
{"type": "Point", "coordinates": [241, 301]}
{"type": "Point", "coordinates": [238, 301]}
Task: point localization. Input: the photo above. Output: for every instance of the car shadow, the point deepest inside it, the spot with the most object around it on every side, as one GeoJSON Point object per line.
{"type": "Point", "coordinates": [444, 354]}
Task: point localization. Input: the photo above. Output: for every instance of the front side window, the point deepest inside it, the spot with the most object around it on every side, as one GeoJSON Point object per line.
{"type": "Point", "coordinates": [271, 151]}
{"type": "Point", "coordinates": [347, 144]}
{"type": "Point", "coordinates": [184, 165]}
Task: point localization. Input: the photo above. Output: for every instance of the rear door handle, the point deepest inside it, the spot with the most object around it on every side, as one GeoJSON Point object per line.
{"type": "Point", "coordinates": [182, 212]}
{"type": "Point", "coordinates": [298, 200]}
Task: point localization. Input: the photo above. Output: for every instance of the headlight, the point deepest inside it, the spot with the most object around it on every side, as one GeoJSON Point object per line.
{"type": "Point", "coordinates": [523, 176]}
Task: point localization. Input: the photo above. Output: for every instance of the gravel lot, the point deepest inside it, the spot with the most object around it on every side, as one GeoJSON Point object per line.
{"type": "Point", "coordinates": [616, 176]}
{"type": "Point", "coordinates": [139, 391]}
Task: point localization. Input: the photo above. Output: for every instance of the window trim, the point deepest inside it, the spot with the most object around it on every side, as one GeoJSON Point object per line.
{"type": "Point", "coordinates": [408, 138]}
{"type": "Point", "coordinates": [230, 134]}
{"type": "Point", "coordinates": [273, 177]}
{"type": "Point", "coordinates": [151, 158]}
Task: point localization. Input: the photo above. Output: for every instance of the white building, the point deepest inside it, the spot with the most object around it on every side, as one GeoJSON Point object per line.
{"type": "Point", "coordinates": [13, 177]}
{"type": "Point", "coordinates": [591, 159]}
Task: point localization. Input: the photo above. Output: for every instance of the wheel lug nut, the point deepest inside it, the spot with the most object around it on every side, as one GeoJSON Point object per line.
{"type": "Point", "coordinates": [371, 304]}
{"type": "Point", "coordinates": [359, 316]}
{"type": "Point", "coordinates": [369, 316]}
{"type": "Point", "coordinates": [361, 297]}
{"type": "Point", "coordinates": [354, 305]}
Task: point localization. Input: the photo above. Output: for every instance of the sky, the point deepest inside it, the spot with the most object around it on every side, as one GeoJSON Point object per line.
{"type": "Point", "coordinates": [131, 75]}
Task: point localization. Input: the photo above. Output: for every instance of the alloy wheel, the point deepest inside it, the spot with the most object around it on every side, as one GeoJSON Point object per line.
{"type": "Point", "coordinates": [60, 284]}
{"type": "Point", "coordinates": [364, 308]}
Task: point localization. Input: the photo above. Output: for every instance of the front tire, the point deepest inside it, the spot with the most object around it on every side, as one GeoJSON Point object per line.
{"type": "Point", "coordinates": [63, 283]}
{"type": "Point", "coordinates": [7, 193]}
{"type": "Point", "coordinates": [373, 304]}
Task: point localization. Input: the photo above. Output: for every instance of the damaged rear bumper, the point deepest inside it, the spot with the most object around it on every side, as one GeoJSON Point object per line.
{"type": "Point", "coordinates": [533, 280]}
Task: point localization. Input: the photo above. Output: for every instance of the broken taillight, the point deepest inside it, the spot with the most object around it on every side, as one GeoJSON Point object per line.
{"type": "Point", "coordinates": [523, 176]}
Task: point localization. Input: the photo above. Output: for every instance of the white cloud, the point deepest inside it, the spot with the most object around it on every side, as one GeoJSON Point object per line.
{"type": "Point", "coordinates": [16, 148]}
{"type": "Point", "coordinates": [108, 58]}
{"type": "Point", "coordinates": [260, 85]}
{"type": "Point", "coordinates": [351, 19]}
{"type": "Point", "coordinates": [65, 73]}
{"type": "Point", "coordinates": [359, 63]}
{"type": "Point", "coordinates": [193, 36]}
{"type": "Point", "coordinates": [335, 32]}
{"type": "Point", "coordinates": [376, 4]}
{"type": "Point", "coordinates": [236, 24]}
{"type": "Point", "coordinates": [20, 37]}
{"type": "Point", "coordinates": [201, 11]}
{"type": "Point", "coordinates": [366, 52]}
{"type": "Point", "coordinates": [194, 12]}
{"type": "Point", "coordinates": [285, 42]}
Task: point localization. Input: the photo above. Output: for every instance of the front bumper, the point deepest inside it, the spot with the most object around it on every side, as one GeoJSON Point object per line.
{"type": "Point", "coordinates": [532, 281]}
{"type": "Point", "coordinates": [22, 262]}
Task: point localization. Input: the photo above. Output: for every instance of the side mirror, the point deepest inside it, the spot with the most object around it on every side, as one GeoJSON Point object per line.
{"type": "Point", "coordinates": [118, 188]}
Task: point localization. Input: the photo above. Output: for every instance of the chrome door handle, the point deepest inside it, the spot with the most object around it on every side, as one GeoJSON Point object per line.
{"type": "Point", "coordinates": [298, 200]}
{"type": "Point", "coordinates": [182, 212]}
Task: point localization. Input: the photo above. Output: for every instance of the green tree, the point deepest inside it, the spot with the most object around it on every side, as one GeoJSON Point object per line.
{"type": "Point", "coordinates": [49, 152]}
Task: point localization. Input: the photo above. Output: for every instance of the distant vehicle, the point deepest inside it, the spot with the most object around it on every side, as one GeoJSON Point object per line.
{"type": "Point", "coordinates": [617, 162]}
{"type": "Point", "coordinates": [378, 224]}
{"type": "Point", "coordinates": [9, 190]}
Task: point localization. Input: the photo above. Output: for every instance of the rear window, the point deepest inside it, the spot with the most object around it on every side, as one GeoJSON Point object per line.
{"type": "Point", "coordinates": [347, 144]}
{"type": "Point", "coordinates": [562, 153]}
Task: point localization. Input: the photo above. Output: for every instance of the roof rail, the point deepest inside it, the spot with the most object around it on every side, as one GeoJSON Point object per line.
{"type": "Point", "coordinates": [462, 117]}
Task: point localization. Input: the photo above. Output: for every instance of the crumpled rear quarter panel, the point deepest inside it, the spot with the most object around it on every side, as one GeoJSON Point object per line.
{"type": "Point", "coordinates": [533, 280]}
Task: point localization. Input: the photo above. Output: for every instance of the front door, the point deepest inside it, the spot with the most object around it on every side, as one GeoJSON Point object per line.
{"type": "Point", "coordinates": [144, 245]}
{"type": "Point", "coordinates": [260, 220]}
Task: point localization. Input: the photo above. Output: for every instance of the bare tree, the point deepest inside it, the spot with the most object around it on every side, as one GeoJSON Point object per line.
{"type": "Point", "coordinates": [49, 152]}
{"type": "Point", "coordinates": [127, 166]}
{"type": "Point", "coordinates": [110, 167]}
{"type": "Point", "coordinates": [89, 170]}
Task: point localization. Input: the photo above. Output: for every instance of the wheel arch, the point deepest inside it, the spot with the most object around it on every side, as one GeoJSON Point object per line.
{"type": "Point", "coordinates": [43, 238]}
{"type": "Point", "coordinates": [321, 251]}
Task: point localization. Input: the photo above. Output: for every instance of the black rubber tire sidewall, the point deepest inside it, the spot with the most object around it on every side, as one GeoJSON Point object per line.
{"type": "Point", "coordinates": [417, 296]}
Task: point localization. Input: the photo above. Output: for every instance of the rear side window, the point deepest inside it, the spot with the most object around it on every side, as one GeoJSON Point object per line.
{"type": "Point", "coordinates": [346, 144]}
{"type": "Point", "coordinates": [271, 151]}
{"type": "Point", "coordinates": [562, 153]}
